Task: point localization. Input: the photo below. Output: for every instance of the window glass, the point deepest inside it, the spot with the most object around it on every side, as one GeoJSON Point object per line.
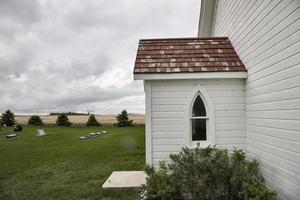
{"type": "Point", "coordinates": [198, 125]}
{"type": "Point", "coordinates": [198, 108]}
{"type": "Point", "coordinates": [198, 129]}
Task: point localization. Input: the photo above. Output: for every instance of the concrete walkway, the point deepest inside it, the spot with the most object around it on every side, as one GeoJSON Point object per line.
{"type": "Point", "coordinates": [125, 180]}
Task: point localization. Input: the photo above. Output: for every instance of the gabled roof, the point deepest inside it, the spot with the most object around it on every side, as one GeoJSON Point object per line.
{"type": "Point", "coordinates": [186, 55]}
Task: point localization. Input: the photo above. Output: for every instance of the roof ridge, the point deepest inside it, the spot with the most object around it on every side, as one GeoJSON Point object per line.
{"type": "Point", "coordinates": [185, 38]}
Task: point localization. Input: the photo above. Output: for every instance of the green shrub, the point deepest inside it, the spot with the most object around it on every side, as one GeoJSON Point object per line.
{"type": "Point", "coordinates": [63, 120]}
{"type": "Point", "coordinates": [123, 120]}
{"type": "Point", "coordinates": [35, 120]}
{"type": "Point", "coordinates": [207, 174]}
{"type": "Point", "coordinates": [161, 183]}
{"type": "Point", "coordinates": [8, 118]}
{"type": "Point", "coordinates": [92, 121]}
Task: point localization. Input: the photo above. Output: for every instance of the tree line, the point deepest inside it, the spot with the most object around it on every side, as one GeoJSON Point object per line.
{"type": "Point", "coordinates": [8, 119]}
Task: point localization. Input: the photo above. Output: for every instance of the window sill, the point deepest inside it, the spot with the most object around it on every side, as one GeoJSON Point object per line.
{"type": "Point", "coordinates": [203, 144]}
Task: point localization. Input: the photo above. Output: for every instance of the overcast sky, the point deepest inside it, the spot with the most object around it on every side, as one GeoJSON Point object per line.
{"type": "Point", "coordinates": [78, 55]}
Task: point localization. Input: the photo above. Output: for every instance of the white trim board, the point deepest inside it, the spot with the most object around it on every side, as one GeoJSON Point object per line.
{"type": "Point", "coordinates": [148, 121]}
{"type": "Point", "coordinates": [203, 75]}
{"type": "Point", "coordinates": [206, 20]}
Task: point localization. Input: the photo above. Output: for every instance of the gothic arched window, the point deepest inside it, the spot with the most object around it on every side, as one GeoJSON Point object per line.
{"type": "Point", "coordinates": [199, 120]}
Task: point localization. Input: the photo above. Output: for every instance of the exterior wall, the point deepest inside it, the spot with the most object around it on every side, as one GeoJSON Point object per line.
{"type": "Point", "coordinates": [167, 102]}
{"type": "Point", "coordinates": [266, 36]}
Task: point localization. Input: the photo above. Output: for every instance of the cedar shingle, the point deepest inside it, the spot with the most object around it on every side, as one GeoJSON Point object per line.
{"type": "Point", "coordinates": [212, 54]}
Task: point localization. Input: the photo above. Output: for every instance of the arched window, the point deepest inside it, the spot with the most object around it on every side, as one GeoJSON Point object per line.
{"type": "Point", "coordinates": [199, 120]}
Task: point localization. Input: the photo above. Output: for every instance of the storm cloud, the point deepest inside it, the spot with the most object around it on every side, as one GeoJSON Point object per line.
{"type": "Point", "coordinates": [61, 55]}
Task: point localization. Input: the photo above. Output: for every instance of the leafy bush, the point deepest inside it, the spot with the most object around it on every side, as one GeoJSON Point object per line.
{"type": "Point", "coordinates": [206, 174]}
{"type": "Point", "coordinates": [161, 184]}
{"type": "Point", "coordinates": [123, 120]}
{"type": "Point", "coordinates": [35, 120]}
{"type": "Point", "coordinates": [8, 118]}
{"type": "Point", "coordinates": [63, 120]}
{"type": "Point", "coordinates": [92, 121]}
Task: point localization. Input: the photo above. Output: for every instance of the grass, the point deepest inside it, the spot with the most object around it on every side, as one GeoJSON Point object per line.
{"type": "Point", "coordinates": [60, 166]}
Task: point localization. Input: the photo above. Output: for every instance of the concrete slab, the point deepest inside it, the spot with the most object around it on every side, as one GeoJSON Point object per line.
{"type": "Point", "coordinates": [125, 180]}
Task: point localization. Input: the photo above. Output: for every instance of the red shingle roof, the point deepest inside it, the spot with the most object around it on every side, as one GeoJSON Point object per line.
{"type": "Point", "coordinates": [212, 54]}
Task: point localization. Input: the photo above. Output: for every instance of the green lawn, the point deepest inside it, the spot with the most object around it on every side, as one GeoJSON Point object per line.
{"type": "Point", "coordinates": [60, 166]}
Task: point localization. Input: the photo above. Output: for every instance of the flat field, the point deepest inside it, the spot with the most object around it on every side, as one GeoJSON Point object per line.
{"type": "Point", "coordinates": [81, 119]}
{"type": "Point", "coordinates": [60, 166]}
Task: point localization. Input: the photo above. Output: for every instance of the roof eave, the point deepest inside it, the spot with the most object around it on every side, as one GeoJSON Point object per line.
{"type": "Point", "coordinates": [195, 75]}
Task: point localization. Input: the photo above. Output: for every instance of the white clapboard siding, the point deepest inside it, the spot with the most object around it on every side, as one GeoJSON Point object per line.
{"type": "Point", "coordinates": [290, 135]}
{"type": "Point", "coordinates": [277, 142]}
{"type": "Point", "coordinates": [283, 38]}
{"type": "Point", "coordinates": [286, 94]}
{"type": "Point", "coordinates": [228, 100]}
{"type": "Point", "coordinates": [229, 127]}
{"type": "Point", "coordinates": [276, 105]}
{"type": "Point", "coordinates": [278, 67]}
{"type": "Point", "coordinates": [275, 114]}
{"type": "Point", "coordinates": [168, 108]}
{"type": "Point", "coordinates": [279, 82]}
{"type": "Point", "coordinates": [167, 128]}
{"type": "Point", "coordinates": [269, 157]}
{"type": "Point", "coordinates": [275, 60]}
{"type": "Point", "coordinates": [167, 135]}
{"type": "Point", "coordinates": [170, 99]}
{"type": "Point", "coordinates": [230, 120]}
{"type": "Point", "coordinates": [231, 134]}
{"type": "Point", "coordinates": [224, 94]}
{"type": "Point", "coordinates": [266, 36]}
{"type": "Point", "coordinates": [168, 121]}
{"type": "Point", "coordinates": [268, 18]}
{"type": "Point", "coordinates": [174, 94]}
{"type": "Point", "coordinates": [168, 141]}
{"type": "Point", "coordinates": [230, 107]}
{"type": "Point", "coordinates": [230, 113]}
{"type": "Point", "coordinates": [232, 140]}
{"type": "Point", "coordinates": [160, 115]}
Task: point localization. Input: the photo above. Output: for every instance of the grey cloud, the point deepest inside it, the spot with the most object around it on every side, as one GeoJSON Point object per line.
{"type": "Point", "coordinates": [17, 16]}
{"type": "Point", "coordinates": [61, 55]}
{"type": "Point", "coordinates": [24, 11]}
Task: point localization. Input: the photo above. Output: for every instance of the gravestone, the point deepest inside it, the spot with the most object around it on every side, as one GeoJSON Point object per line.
{"type": "Point", "coordinates": [40, 132]}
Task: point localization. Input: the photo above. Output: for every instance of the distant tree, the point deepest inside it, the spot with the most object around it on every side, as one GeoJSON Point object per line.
{"type": "Point", "coordinates": [35, 120]}
{"type": "Point", "coordinates": [123, 120]}
{"type": "Point", "coordinates": [92, 121]}
{"type": "Point", "coordinates": [8, 118]}
{"type": "Point", "coordinates": [63, 120]}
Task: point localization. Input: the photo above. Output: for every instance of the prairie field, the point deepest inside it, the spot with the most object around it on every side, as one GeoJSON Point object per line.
{"type": "Point", "coordinates": [81, 119]}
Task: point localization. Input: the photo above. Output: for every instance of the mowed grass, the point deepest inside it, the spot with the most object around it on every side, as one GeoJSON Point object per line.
{"type": "Point", "coordinates": [60, 166]}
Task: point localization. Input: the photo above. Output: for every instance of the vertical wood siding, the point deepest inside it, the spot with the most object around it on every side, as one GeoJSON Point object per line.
{"type": "Point", "coordinates": [266, 36]}
{"type": "Point", "coordinates": [169, 101]}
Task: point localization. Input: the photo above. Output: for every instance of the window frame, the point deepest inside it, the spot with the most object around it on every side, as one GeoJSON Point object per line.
{"type": "Point", "coordinates": [202, 142]}
{"type": "Point", "coordinates": [210, 121]}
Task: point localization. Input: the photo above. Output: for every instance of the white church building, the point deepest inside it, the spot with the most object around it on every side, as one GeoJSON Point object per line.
{"type": "Point", "coordinates": [235, 85]}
